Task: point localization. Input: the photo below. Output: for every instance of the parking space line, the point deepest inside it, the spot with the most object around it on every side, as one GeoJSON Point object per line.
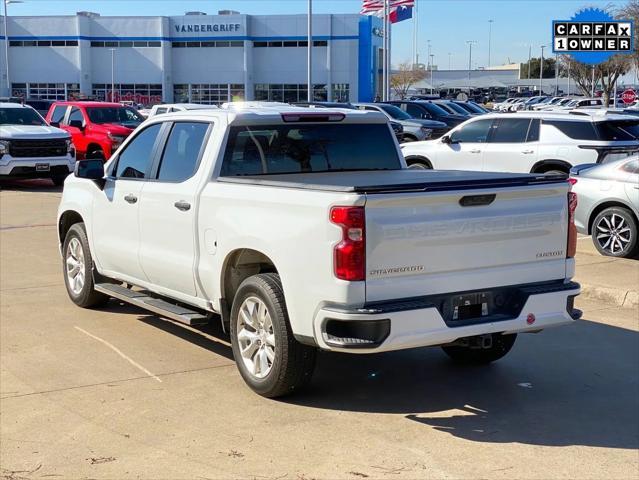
{"type": "Point", "coordinates": [36, 225]}
{"type": "Point", "coordinates": [119, 352]}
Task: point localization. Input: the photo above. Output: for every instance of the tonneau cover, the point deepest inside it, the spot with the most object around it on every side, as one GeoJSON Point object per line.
{"type": "Point", "coordinates": [380, 181]}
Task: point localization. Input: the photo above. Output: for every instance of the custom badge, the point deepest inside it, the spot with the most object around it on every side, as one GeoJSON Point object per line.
{"type": "Point", "coordinates": [592, 36]}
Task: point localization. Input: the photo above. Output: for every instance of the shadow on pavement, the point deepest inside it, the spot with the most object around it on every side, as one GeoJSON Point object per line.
{"type": "Point", "coordinates": [35, 185]}
{"type": "Point", "coordinates": [575, 385]}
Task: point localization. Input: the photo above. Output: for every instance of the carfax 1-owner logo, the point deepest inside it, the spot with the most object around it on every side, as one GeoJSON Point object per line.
{"type": "Point", "coordinates": [592, 36]}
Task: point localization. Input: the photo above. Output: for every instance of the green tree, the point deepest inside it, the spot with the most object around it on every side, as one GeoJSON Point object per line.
{"type": "Point", "coordinates": [531, 69]}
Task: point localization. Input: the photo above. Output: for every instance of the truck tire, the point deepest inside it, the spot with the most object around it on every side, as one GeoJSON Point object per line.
{"type": "Point", "coordinates": [614, 232]}
{"type": "Point", "coordinates": [501, 345]}
{"type": "Point", "coordinates": [77, 265]}
{"type": "Point", "coordinates": [266, 353]}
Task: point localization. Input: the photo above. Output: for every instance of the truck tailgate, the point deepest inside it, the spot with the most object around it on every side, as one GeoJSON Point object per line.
{"type": "Point", "coordinates": [429, 242]}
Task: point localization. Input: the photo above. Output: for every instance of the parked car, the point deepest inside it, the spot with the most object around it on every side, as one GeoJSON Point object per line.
{"type": "Point", "coordinates": [414, 129]}
{"type": "Point", "coordinates": [535, 142]}
{"type": "Point", "coordinates": [580, 103]}
{"type": "Point", "coordinates": [503, 106]}
{"type": "Point", "coordinates": [306, 232]}
{"type": "Point", "coordinates": [560, 103]}
{"type": "Point", "coordinates": [29, 148]}
{"type": "Point", "coordinates": [41, 106]}
{"type": "Point", "coordinates": [547, 102]}
{"type": "Point", "coordinates": [528, 104]}
{"type": "Point", "coordinates": [97, 128]}
{"type": "Point", "coordinates": [453, 109]}
{"type": "Point", "coordinates": [427, 110]}
{"type": "Point", "coordinates": [608, 205]}
{"type": "Point", "coordinates": [471, 107]}
{"type": "Point", "coordinates": [177, 107]}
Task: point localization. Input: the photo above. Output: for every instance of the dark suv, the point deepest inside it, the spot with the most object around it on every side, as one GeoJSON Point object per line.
{"type": "Point", "coordinates": [425, 109]}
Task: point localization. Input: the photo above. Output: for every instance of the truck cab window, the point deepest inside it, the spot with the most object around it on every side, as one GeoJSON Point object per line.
{"type": "Point", "coordinates": [136, 158]}
{"type": "Point", "coordinates": [182, 151]}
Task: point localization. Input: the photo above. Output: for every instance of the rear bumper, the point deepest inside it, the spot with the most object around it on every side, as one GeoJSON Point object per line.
{"type": "Point", "coordinates": [414, 323]}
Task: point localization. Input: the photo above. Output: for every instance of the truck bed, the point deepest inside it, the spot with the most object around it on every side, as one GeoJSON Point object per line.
{"type": "Point", "coordinates": [382, 181]}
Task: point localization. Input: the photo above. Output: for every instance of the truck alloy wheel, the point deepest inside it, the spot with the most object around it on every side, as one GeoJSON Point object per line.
{"type": "Point", "coordinates": [271, 361]}
{"type": "Point", "coordinates": [614, 233]}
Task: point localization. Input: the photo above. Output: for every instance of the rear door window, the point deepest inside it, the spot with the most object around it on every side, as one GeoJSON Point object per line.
{"type": "Point", "coordinates": [510, 130]}
{"type": "Point", "coordinates": [182, 152]}
{"type": "Point", "coordinates": [473, 132]}
{"type": "Point", "coordinates": [533, 130]}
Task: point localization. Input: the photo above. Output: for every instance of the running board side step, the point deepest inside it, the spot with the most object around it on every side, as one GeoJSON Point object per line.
{"type": "Point", "coordinates": [161, 307]}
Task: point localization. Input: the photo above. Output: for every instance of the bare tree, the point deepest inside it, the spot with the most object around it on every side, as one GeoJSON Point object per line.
{"type": "Point", "coordinates": [405, 77]}
{"type": "Point", "coordinates": [631, 11]}
{"type": "Point", "coordinates": [604, 74]}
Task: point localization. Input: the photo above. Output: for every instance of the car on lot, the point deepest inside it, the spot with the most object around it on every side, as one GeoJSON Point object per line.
{"type": "Point", "coordinates": [562, 102]}
{"type": "Point", "coordinates": [453, 109]}
{"type": "Point", "coordinates": [546, 102]}
{"type": "Point", "coordinates": [414, 129]}
{"type": "Point", "coordinates": [177, 107]}
{"type": "Point", "coordinates": [471, 107]}
{"type": "Point", "coordinates": [427, 110]}
{"type": "Point", "coordinates": [608, 205]}
{"type": "Point", "coordinates": [590, 103]}
{"type": "Point", "coordinates": [503, 106]}
{"type": "Point", "coordinates": [397, 127]}
{"type": "Point", "coordinates": [97, 128]}
{"type": "Point", "coordinates": [41, 106]}
{"type": "Point", "coordinates": [535, 142]}
{"type": "Point", "coordinates": [304, 230]}
{"type": "Point", "coordinates": [29, 148]}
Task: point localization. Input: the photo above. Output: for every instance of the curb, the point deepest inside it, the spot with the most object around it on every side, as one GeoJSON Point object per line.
{"type": "Point", "coordinates": [615, 296]}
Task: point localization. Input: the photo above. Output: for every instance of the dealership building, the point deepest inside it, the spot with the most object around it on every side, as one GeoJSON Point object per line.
{"type": "Point", "coordinates": [195, 58]}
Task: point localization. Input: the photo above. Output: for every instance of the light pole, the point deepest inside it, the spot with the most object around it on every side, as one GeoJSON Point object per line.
{"type": "Point", "coordinates": [431, 72]}
{"type": "Point", "coordinates": [470, 60]}
{"type": "Point", "coordinates": [309, 55]}
{"type": "Point", "coordinates": [6, 42]}
{"type": "Point", "coordinates": [490, 31]}
{"type": "Point", "coordinates": [556, 74]}
{"type": "Point", "coordinates": [112, 74]}
{"type": "Point", "coordinates": [541, 70]}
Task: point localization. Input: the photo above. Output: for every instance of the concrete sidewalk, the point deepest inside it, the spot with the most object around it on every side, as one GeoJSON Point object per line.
{"type": "Point", "coordinates": [607, 279]}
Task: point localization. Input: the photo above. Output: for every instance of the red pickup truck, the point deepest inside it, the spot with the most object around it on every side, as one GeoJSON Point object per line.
{"type": "Point", "coordinates": [97, 128]}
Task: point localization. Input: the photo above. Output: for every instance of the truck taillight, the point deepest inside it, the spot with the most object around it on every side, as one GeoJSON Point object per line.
{"type": "Point", "coordinates": [572, 230]}
{"type": "Point", "coordinates": [349, 261]}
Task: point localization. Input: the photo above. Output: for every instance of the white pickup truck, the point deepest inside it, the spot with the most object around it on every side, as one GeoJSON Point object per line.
{"type": "Point", "coordinates": [303, 229]}
{"type": "Point", "coordinates": [29, 148]}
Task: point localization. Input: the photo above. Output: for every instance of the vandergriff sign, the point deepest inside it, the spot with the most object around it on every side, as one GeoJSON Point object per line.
{"type": "Point", "coordinates": [207, 27]}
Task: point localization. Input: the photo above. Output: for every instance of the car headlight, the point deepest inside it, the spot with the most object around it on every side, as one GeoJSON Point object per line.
{"type": "Point", "coordinates": [70, 146]}
{"type": "Point", "coordinates": [116, 139]}
{"type": "Point", "coordinates": [426, 131]}
{"type": "Point", "coordinates": [4, 147]}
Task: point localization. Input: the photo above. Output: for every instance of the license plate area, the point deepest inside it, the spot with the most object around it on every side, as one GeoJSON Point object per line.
{"type": "Point", "coordinates": [42, 167]}
{"type": "Point", "coordinates": [471, 306]}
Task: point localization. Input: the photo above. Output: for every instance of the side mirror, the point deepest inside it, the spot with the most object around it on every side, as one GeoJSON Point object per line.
{"type": "Point", "coordinates": [447, 140]}
{"type": "Point", "coordinates": [91, 170]}
{"type": "Point", "coordinates": [79, 124]}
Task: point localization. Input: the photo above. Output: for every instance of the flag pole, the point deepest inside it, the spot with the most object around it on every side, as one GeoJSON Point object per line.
{"type": "Point", "coordinates": [309, 60]}
{"type": "Point", "coordinates": [385, 52]}
{"type": "Point", "coordinates": [387, 48]}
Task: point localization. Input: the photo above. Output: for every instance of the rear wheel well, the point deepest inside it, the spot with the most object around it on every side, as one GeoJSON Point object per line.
{"type": "Point", "coordinates": [548, 165]}
{"type": "Point", "coordinates": [67, 220]}
{"type": "Point", "coordinates": [239, 265]}
{"type": "Point", "coordinates": [418, 159]}
{"type": "Point", "coordinates": [600, 208]}
{"type": "Point", "coordinates": [94, 147]}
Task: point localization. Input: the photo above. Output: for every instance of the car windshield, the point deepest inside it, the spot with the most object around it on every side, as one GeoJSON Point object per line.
{"type": "Point", "coordinates": [20, 116]}
{"type": "Point", "coordinates": [396, 112]}
{"type": "Point", "coordinates": [446, 108]}
{"type": "Point", "coordinates": [280, 149]}
{"type": "Point", "coordinates": [469, 107]}
{"type": "Point", "coordinates": [435, 109]}
{"type": "Point", "coordinates": [120, 115]}
{"type": "Point", "coordinates": [457, 109]}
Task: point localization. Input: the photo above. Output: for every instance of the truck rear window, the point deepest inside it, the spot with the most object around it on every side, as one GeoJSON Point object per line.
{"type": "Point", "coordinates": [295, 148]}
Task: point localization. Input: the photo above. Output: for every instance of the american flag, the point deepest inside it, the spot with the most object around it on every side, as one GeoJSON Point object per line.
{"type": "Point", "coordinates": [376, 7]}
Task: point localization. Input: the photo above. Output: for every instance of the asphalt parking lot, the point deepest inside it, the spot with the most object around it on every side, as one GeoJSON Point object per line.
{"type": "Point", "coordinates": [120, 393]}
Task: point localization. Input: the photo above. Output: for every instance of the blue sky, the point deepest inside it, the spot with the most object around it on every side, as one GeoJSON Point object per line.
{"type": "Point", "coordinates": [447, 23]}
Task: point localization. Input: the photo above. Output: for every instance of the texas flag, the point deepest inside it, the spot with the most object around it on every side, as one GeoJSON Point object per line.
{"type": "Point", "coordinates": [401, 13]}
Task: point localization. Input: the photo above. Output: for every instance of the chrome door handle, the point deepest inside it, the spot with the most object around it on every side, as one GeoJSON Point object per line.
{"type": "Point", "coordinates": [131, 198]}
{"type": "Point", "coordinates": [475, 151]}
{"type": "Point", "coordinates": [527, 152]}
{"type": "Point", "coordinates": [182, 206]}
